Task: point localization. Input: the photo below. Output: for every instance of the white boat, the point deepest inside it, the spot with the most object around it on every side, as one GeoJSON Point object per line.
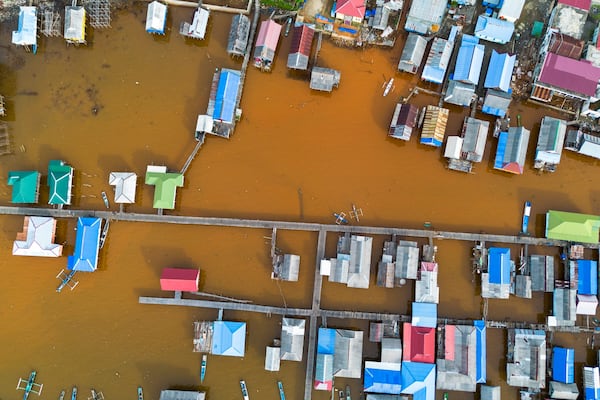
{"type": "Point", "coordinates": [388, 87]}
{"type": "Point", "coordinates": [244, 390]}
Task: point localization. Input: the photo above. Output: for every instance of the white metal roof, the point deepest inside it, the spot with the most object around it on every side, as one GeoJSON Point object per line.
{"type": "Point", "coordinates": [125, 184]}
{"type": "Point", "coordinates": [38, 238]}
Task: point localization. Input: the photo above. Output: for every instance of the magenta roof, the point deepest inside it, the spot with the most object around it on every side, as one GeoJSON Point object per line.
{"type": "Point", "coordinates": [351, 8]}
{"type": "Point", "coordinates": [578, 76]}
{"type": "Point", "coordinates": [268, 35]}
{"type": "Point", "coordinates": [179, 279]}
{"type": "Point", "coordinates": [582, 4]}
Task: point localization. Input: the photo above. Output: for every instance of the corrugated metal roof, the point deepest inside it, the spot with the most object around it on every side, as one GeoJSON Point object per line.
{"type": "Point", "coordinates": [469, 61]}
{"type": "Point", "coordinates": [156, 18]}
{"type": "Point", "coordinates": [437, 60]}
{"type": "Point", "coordinates": [324, 372]}
{"type": "Point", "coordinates": [418, 379]}
{"type": "Point", "coordinates": [588, 277]}
{"type": "Point", "coordinates": [268, 35]}
{"type": "Point", "coordinates": [496, 102]}
{"type": "Point", "coordinates": [551, 140]}
{"type": "Point", "coordinates": [425, 16]}
{"type": "Point", "coordinates": [424, 315]}
{"type": "Point", "coordinates": [529, 355]}
{"type": "Point", "coordinates": [460, 93]}
{"type": "Point", "coordinates": [180, 279]}
{"type": "Point", "coordinates": [453, 147]}
{"type": "Point", "coordinates": [500, 71]}
{"type": "Point", "coordinates": [475, 133]}
{"type": "Point", "coordinates": [586, 304]}
{"type": "Point", "coordinates": [347, 360]}
{"type": "Point", "coordinates": [565, 45]}
{"type": "Point", "coordinates": [382, 377]}
{"type": "Point", "coordinates": [181, 395]}
{"type": "Point", "coordinates": [494, 29]}
{"type": "Point", "coordinates": [227, 91]}
{"type": "Point", "coordinates": [292, 338]}
{"type": "Point", "coordinates": [512, 150]}
{"type": "Point", "coordinates": [481, 352]}
{"type": "Point", "coordinates": [324, 79]}
{"type": "Point", "coordinates": [564, 306]}
{"type": "Point", "coordinates": [490, 392]}
{"type": "Point", "coordinates": [238, 35]}
{"type": "Point", "coordinates": [407, 260]}
{"type": "Point", "coordinates": [272, 358]}
{"type": "Point", "coordinates": [567, 391]}
{"type": "Point", "coordinates": [359, 270]}
{"type": "Point", "coordinates": [326, 341]}
{"type": "Point", "coordinates": [511, 10]}
{"type": "Point", "coordinates": [563, 364]}
{"type": "Point", "coordinates": [391, 350]}
{"type": "Point", "coordinates": [582, 4]}
{"type": "Point", "coordinates": [577, 76]}
{"type": "Point", "coordinates": [418, 343]}
{"type": "Point", "coordinates": [434, 125]}
{"type": "Point", "coordinates": [412, 54]}
{"type": "Point", "coordinates": [302, 39]}
{"type": "Point", "coordinates": [87, 245]}
{"type": "Point", "coordinates": [457, 370]}
{"type": "Point", "coordinates": [499, 265]}
{"type": "Point", "coordinates": [26, 33]}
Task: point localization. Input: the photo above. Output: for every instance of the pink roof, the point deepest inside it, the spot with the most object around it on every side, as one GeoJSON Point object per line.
{"type": "Point", "coordinates": [351, 8]}
{"type": "Point", "coordinates": [268, 35]}
{"type": "Point", "coordinates": [579, 76]}
{"type": "Point", "coordinates": [582, 4]}
{"type": "Point", "coordinates": [419, 344]}
{"type": "Point", "coordinates": [179, 279]}
{"type": "Point", "coordinates": [449, 342]}
{"type": "Point", "coordinates": [429, 266]}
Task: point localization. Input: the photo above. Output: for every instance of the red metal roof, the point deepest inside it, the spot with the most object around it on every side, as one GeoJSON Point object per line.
{"type": "Point", "coordinates": [419, 344]}
{"type": "Point", "coordinates": [579, 76]}
{"type": "Point", "coordinates": [179, 279]}
{"type": "Point", "coordinates": [302, 40]}
{"type": "Point", "coordinates": [351, 8]}
{"type": "Point", "coordinates": [429, 266]}
{"type": "Point", "coordinates": [408, 115]}
{"type": "Point", "coordinates": [582, 4]}
{"type": "Point", "coordinates": [268, 34]}
{"type": "Point", "coordinates": [449, 339]}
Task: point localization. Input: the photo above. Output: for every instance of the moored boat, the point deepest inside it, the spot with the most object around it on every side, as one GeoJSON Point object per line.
{"type": "Point", "coordinates": [388, 87]}
{"type": "Point", "coordinates": [526, 214]}
{"type": "Point", "coordinates": [61, 396]}
{"type": "Point", "coordinates": [342, 395]}
{"type": "Point", "coordinates": [281, 393]}
{"type": "Point", "coordinates": [140, 393]}
{"type": "Point", "coordinates": [244, 390]}
{"type": "Point", "coordinates": [348, 393]}
{"type": "Point", "coordinates": [74, 393]}
{"type": "Point", "coordinates": [203, 368]}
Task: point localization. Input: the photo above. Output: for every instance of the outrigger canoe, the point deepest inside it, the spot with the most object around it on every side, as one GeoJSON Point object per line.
{"type": "Point", "coordinates": [244, 390]}
{"type": "Point", "coordinates": [203, 368]}
{"type": "Point", "coordinates": [140, 393]}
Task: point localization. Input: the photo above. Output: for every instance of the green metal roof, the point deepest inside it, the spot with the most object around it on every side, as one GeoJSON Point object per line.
{"type": "Point", "coordinates": [25, 186]}
{"type": "Point", "coordinates": [166, 184]}
{"type": "Point", "coordinates": [573, 227]}
{"type": "Point", "coordinates": [60, 180]}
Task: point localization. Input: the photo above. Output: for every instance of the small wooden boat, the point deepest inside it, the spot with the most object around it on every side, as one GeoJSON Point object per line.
{"type": "Point", "coordinates": [61, 396]}
{"type": "Point", "coordinates": [105, 199]}
{"type": "Point", "coordinates": [340, 218]}
{"type": "Point", "coordinates": [203, 367]}
{"type": "Point", "coordinates": [74, 393]}
{"type": "Point", "coordinates": [140, 393]}
{"type": "Point", "coordinates": [288, 26]}
{"type": "Point", "coordinates": [281, 393]}
{"type": "Point", "coordinates": [244, 390]}
{"type": "Point", "coordinates": [96, 395]}
{"type": "Point", "coordinates": [445, 395]}
{"type": "Point", "coordinates": [342, 395]}
{"type": "Point", "coordinates": [388, 87]}
{"type": "Point", "coordinates": [348, 393]}
{"type": "Point", "coordinates": [104, 233]}
{"type": "Point", "coordinates": [526, 214]}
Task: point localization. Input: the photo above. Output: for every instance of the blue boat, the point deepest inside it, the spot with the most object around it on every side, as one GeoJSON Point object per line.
{"type": "Point", "coordinates": [244, 390]}
{"type": "Point", "coordinates": [281, 393]}
{"type": "Point", "coordinates": [340, 218]}
{"type": "Point", "coordinates": [140, 393]}
{"type": "Point", "coordinates": [74, 393]}
{"type": "Point", "coordinates": [29, 385]}
{"type": "Point", "coordinates": [348, 394]}
{"type": "Point", "coordinates": [203, 368]}
{"type": "Point", "coordinates": [526, 214]}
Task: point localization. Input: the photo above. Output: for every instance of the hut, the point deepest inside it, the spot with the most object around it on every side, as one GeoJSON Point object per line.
{"type": "Point", "coordinates": [37, 238]}
{"type": "Point", "coordinates": [469, 60]}
{"type": "Point", "coordinates": [87, 245]}
{"type": "Point", "coordinates": [300, 48]}
{"type": "Point", "coordinates": [286, 267]}
{"type": "Point", "coordinates": [496, 102]}
{"type": "Point", "coordinates": [403, 121]}
{"type": "Point", "coordinates": [468, 148]}
{"type": "Point", "coordinates": [125, 184]}
{"type": "Point", "coordinates": [324, 79]}
{"type": "Point", "coordinates": [292, 338]}
{"type": "Point", "coordinates": [237, 42]}
{"type": "Point", "coordinates": [165, 186]}
{"type": "Point", "coordinates": [156, 18]}
{"type": "Point", "coordinates": [75, 24]}
{"type": "Point", "coordinates": [60, 181]}
{"type": "Point", "coordinates": [527, 366]}
{"type": "Point", "coordinates": [25, 185]}
{"type": "Point", "coordinates": [197, 29]}
{"type": "Point", "coordinates": [437, 60]}
{"type": "Point", "coordinates": [550, 144]}
{"type": "Point", "coordinates": [413, 53]}
{"type": "Point", "coordinates": [512, 150]}
{"type": "Point", "coordinates": [493, 29]}
{"type": "Point", "coordinates": [434, 125]}
{"type": "Point", "coordinates": [500, 71]}
{"type": "Point", "coordinates": [26, 33]}
{"type": "Point", "coordinates": [180, 279]}
{"type": "Point", "coordinates": [266, 44]}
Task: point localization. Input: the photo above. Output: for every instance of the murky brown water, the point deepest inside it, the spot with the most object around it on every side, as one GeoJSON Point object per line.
{"type": "Point", "coordinates": [331, 147]}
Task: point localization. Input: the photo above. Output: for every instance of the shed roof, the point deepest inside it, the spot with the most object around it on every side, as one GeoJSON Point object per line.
{"type": "Point", "coordinates": [166, 184]}
{"type": "Point", "coordinates": [229, 338]}
{"type": "Point", "coordinates": [125, 184]}
{"type": "Point", "coordinates": [37, 238]}
{"type": "Point", "coordinates": [500, 71]}
{"type": "Point", "coordinates": [26, 33]}
{"type": "Point", "coordinates": [412, 54]}
{"type": "Point", "coordinates": [180, 279]}
{"type": "Point", "coordinates": [425, 16]}
{"type": "Point", "coordinates": [382, 377]}
{"type": "Point", "coordinates": [460, 93]}
{"type": "Point", "coordinates": [551, 140]}
{"type": "Point", "coordinates": [273, 358]}
{"type": "Point", "coordinates": [577, 76]}
{"type": "Point", "coordinates": [574, 227]}
{"type": "Point", "coordinates": [25, 186]}
{"type": "Point", "coordinates": [156, 17]}
{"type": "Point", "coordinates": [565, 45]}
{"type": "Point", "coordinates": [60, 181]}
{"type": "Point", "coordinates": [74, 24]}
{"type": "Point", "coordinates": [87, 245]}
{"type": "Point", "coordinates": [469, 61]}
{"type": "Point", "coordinates": [437, 59]}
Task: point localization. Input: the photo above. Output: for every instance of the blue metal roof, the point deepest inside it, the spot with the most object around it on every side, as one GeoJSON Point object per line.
{"type": "Point", "coordinates": [469, 60]}
{"type": "Point", "coordinates": [499, 71]}
{"type": "Point", "coordinates": [227, 91]}
{"type": "Point", "coordinates": [431, 142]}
{"type": "Point", "coordinates": [494, 29]}
{"type": "Point", "coordinates": [87, 245]}
{"type": "Point", "coordinates": [418, 379]}
{"type": "Point", "coordinates": [563, 364]}
{"type": "Point", "coordinates": [229, 338]}
{"type": "Point", "coordinates": [499, 160]}
{"type": "Point", "coordinates": [592, 393]}
{"type": "Point", "coordinates": [499, 264]}
{"type": "Point", "coordinates": [480, 351]}
{"type": "Point", "coordinates": [326, 341]}
{"type": "Point", "coordinates": [424, 314]}
{"type": "Point", "coordinates": [588, 277]}
{"type": "Point", "coordinates": [379, 379]}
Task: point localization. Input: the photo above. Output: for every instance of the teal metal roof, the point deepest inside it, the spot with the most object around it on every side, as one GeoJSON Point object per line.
{"type": "Point", "coordinates": [25, 186]}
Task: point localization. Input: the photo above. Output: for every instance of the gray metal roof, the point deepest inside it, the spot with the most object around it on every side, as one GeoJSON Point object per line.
{"type": "Point", "coordinates": [460, 372]}
{"type": "Point", "coordinates": [359, 270]}
{"type": "Point", "coordinates": [324, 79]}
{"type": "Point", "coordinates": [528, 368]}
{"type": "Point", "coordinates": [559, 390]}
{"type": "Point", "coordinates": [493, 290]}
{"type": "Point", "coordinates": [297, 61]}
{"type": "Point", "coordinates": [564, 306]}
{"type": "Point", "coordinates": [347, 360]}
{"type": "Point", "coordinates": [459, 93]}
{"type": "Point", "coordinates": [391, 350]}
{"type": "Point", "coordinates": [238, 35]}
{"type": "Point", "coordinates": [413, 53]}
{"type": "Point", "coordinates": [181, 395]}
{"type": "Point", "coordinates": [292, 338]}
{"type": "Point", "coordinates": [475, 135]}
{"type": "Point", "coordinates": [407, 260]}
{"type": "Point", "coordinates": [272, 358]}
{"type": "Point", "coordinates": [290, 268]}
{"type": "Point", "coordinates": [497, 99]}
{"type": "Point", "coordinates": [490, 392]}
{"type": "Point", "coordinates": [523, 286]}
{"type": "Point", "coordinates": [426, 288]}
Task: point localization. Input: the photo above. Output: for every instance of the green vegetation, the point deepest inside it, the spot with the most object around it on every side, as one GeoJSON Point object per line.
{"type": "Point", "coordinates": [288, 5]}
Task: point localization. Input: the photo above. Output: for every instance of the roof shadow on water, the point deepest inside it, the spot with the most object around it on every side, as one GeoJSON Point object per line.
{"type": "Point", "coordinates": [159, 257]}
{"type": "Point", "coordinates": [541, 201]}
